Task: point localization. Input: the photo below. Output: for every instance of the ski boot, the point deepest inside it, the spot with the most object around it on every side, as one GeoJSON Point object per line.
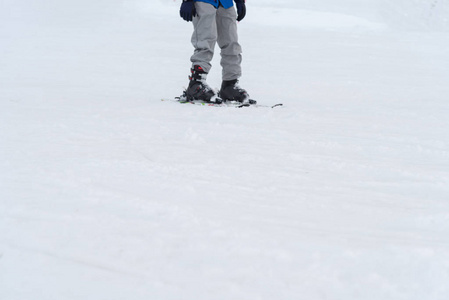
{"type": "Point", "coordinates": [198, 89]}
{"type": "Point", "coordinates": [231, 91]}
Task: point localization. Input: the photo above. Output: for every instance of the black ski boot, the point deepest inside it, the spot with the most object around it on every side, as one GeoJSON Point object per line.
{"type": "Point", "coordinates": [231, 91]}
{"type": "Point", "coordinates": [198, 88]}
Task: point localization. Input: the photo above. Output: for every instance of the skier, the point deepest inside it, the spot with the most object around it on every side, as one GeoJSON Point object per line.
{"type": "Point", "coordinates": [215, 21]}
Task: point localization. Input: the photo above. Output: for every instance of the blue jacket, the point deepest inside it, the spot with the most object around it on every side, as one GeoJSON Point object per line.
{"type": "Point", "coordinates": [226, 3]}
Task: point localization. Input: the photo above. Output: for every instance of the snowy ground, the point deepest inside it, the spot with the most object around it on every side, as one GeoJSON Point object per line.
{"type": "Point", "coordinates": [108, 193]}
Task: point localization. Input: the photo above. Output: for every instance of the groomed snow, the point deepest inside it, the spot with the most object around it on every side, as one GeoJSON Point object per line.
{"type": "Point", "coordinates": [108, 193]}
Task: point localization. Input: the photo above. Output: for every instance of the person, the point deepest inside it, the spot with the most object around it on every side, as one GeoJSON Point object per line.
{"type": "Point", "coordinates": [215, 21]}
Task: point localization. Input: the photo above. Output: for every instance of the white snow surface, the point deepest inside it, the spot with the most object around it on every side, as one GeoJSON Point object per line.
{"type": "Point", "coordinates": [106, 192]}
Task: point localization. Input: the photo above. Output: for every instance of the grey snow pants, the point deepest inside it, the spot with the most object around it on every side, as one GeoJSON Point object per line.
{"type": "Point", "coordinates": [211, 26]}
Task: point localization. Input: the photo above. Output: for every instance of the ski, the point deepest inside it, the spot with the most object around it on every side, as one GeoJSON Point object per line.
{"type": "Point", "coordinates": [236, 104]}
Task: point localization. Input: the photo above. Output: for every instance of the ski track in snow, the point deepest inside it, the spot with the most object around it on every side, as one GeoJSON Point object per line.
{"type": "Point", "coordinates": [106, 192]}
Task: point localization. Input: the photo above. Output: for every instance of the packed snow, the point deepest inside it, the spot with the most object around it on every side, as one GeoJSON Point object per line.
{"type": "Point", "coordinates": [107, 192]}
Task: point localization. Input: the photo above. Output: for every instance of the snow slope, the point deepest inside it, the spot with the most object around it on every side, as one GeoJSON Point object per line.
{"type": "Point", "coordinates": [108, 193]}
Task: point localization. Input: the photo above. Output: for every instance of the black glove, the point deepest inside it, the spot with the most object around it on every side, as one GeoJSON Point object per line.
{"type": "Point", "coordinates": [241, 9]}
{"type": "Point", "coordinates": [187, 11]}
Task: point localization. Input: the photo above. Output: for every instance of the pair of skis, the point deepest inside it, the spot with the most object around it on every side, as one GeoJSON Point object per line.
{"type": "Point", "coordinates": [236, 104]}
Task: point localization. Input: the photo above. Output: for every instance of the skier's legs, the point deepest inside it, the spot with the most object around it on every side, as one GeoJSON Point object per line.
{"type": "Point", "coordinates": [204, 35]}
{"type": "Point", "coordinates": [231, 51]}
